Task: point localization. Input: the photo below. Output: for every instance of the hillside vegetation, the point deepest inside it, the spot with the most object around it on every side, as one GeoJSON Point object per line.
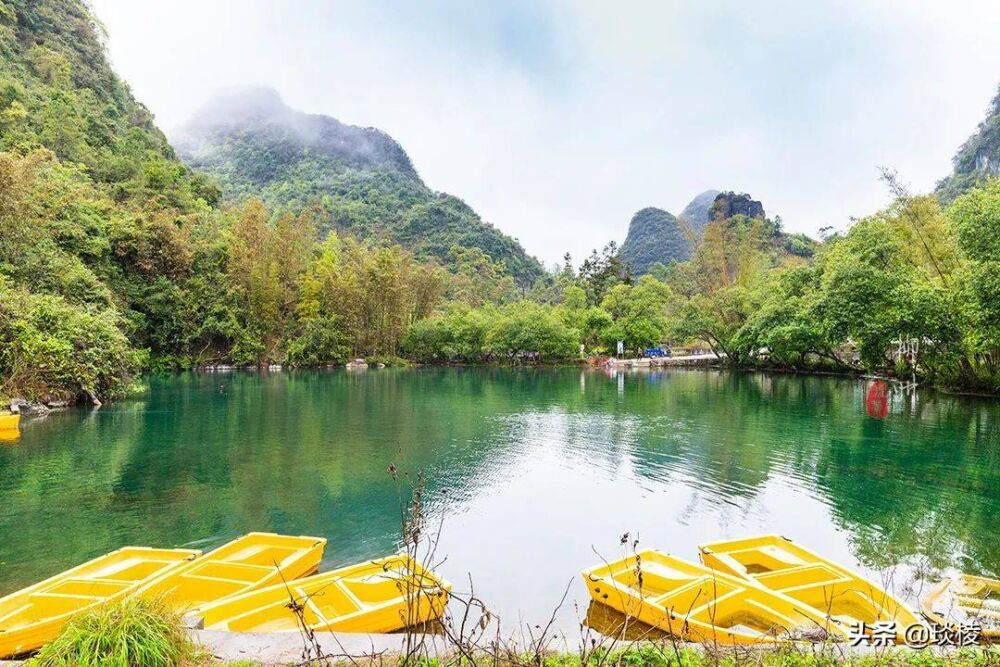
{"type": "Point", "coordinates": [978, 159]}
{"type": "Point", "coordinates": [696, 213]}
{"type": "Point", "coordinates": [655, 236]}
{"type": "Point", "coordinates": [657, 240]}
{"type": "Point", "coordinates": [115, 256]}
{"type": "Point", "coordinates": [322, 244]}
{"type": "Point", "coordinates": [96, 212]}
{"type": "Point", "coordinates": [360, 180]}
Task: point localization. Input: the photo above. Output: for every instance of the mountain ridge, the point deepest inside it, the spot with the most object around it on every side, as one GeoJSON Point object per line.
{"type": "Point", "coordinates": [360, 178]}
{"type": "Point", "coordinates": [654, 236]}
{"type": "Point", "coordinates": [696, 212]}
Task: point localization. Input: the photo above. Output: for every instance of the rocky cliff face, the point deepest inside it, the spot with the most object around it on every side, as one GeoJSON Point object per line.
{"type": "Point", "coordinates": [977, 159]}
{"type": "Point", "coordinates": [654, 235]}
{"type": "Point", "coordinates": [695, 214]}
{"type": "Point", "coordinates": [728, 204]}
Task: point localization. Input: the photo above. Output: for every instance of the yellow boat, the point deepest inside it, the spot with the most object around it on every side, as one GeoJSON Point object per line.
{"type": "Point", "coordinates": [253, 561]}
{"type": "Point", "coordinates": [779, 565]}
{"type": "Point", "coordinates": [33, 616]}
{"type": "Point", "coordinates": [376, 596]}
{"type": "Point", "coordinates": [9, 422]}
{"type": "Point", "coordinates": [965, 599]}
{"type": "Point", "coordinates": [694, 603]}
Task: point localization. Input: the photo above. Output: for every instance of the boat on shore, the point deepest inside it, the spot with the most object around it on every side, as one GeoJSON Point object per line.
{"type": "Point", "coordinates": [962, 600]}
{"type": "Point", "coordinates": [255, 560]}
{"type": "Point", "coordinates": [33, 616]}
{"type": "Point", "coordinates": [376, 596]}
{"type": "Point", "coordinates": [695, 603]}
{"type": "Point", "coordinates": [779, 565]}
{"type": "Point", "coordinates": [9, 422]}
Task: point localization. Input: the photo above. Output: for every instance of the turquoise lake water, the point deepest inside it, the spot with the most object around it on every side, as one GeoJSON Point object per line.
{"type": "Point", "coordinates": [531, 475]}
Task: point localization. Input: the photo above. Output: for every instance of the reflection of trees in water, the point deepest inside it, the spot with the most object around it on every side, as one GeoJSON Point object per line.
{"type": "Point", "coordinates": [306, 452]}
{"type": "Point", "coordinates": [923, 482]}
{"type": "Point", "coordinates": [299, 452]}
{"type": "Point", "coordinates": [736, 427]}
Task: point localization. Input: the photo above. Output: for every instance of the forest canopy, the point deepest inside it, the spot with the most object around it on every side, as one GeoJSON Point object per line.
{"type": "Point", "coordinates": [117, 258]}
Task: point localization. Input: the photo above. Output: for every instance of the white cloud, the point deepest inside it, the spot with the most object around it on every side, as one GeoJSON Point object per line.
{"type": "Point", "coordinates": [557, 121]}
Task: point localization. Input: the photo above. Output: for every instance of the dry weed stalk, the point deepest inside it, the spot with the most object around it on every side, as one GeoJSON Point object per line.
{"type": "Point", "coordinates": [470, 634]}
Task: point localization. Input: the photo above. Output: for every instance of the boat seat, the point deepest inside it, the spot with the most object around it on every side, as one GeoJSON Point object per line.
{"type": "Point", "coordinates": [760, 560]}
{"type": "Point", "coordinates": [14, 613]}
{"type": "Point", "coordinates": [131, 570]}
{"type": "Point", "coordinates": [215, 579]}
{"type": "Point", "coordinates": [336, 590]}
{"type": "Point", "coordinates": [801, 577]}
{"type": "Point", "coordinates": [321, 618]}
{"type": "Point", "coordinates": [659, 580]}
{"type": "Point", "coordinates": [231, 571]}
{"type": "Point", "coordinates": [269, 555]}
{"type": "Point", "coordinates": [90, 587]}
{"type": "Point", "coordinates": [55, 604]}
{"type": "Point", "coordinates": [756, 617]}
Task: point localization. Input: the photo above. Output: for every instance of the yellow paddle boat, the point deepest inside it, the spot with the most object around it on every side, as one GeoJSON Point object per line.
{"type": "Point", "coordinates": [965, 599]}
{"type": "Point", "coordinates": [777, 564]}
{"type": "Point", "coordinates": [694, 603]}
{"type": "Point", "coordinates": [376, 596]}
{"type": "Point", "coordinates": [253, 561]}
{"type": "Point", "coordinates": [33, 616]}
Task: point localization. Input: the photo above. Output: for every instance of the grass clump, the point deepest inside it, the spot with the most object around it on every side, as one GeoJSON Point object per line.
{"type": "Point", "coordinates": [132, 632]}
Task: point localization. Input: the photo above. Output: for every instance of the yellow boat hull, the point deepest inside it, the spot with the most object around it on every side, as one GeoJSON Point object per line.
{"type": "Point", "coordinates": [376, 596]}
{"type": "Point", "coordinates": [695, 603]}
{"type": "Point", "coordinates": [779, 565]}
{"type": "Point", "coordinates": [9, 422]}
{"type": "Point", "coordinates": [965, 599]}
{"type": "Point", "coordinates": [33, 616]}
{"type": "Point", "coordinates": [253, 561]}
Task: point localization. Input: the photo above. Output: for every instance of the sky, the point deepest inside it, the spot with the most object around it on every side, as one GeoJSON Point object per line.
{"type": "Point", "coordinates": [558, 120]}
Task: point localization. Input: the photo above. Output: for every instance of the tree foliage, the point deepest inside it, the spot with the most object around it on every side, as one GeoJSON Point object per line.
{"type": "Point", "coordinates": [359, 180]}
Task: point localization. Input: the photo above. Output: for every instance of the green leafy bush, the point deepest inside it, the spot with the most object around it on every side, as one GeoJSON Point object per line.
{"type": "Point", "coordinates": [48, 346]}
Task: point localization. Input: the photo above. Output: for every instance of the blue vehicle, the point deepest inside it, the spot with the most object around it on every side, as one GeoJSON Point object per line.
{"type": "Point", "coordinates": [654, 352]}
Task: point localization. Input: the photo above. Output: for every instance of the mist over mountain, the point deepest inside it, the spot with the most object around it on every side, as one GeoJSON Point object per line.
{"type": "Point", "coordinates": [261, 113]}
{"type": "Point", "coordinates": [363, 181]}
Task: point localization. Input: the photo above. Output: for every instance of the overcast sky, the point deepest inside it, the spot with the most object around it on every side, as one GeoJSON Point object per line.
{"type": "Point", "coordinates": [557, 121]}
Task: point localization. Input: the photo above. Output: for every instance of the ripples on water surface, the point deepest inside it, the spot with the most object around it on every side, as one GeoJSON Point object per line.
{"type": "Point", "coordinates": [531, 471]}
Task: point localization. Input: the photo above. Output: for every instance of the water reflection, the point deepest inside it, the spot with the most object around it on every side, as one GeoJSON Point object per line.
{"type": "Point", "coordinates": [532, 471]}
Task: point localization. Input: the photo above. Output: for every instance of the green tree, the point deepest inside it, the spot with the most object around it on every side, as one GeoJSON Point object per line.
{"type": "Point", "coordinates": [640, 313]}
{"type": "Point", "coordinates": [976, 219]}
{"type": "Point", "coordinates": [526, 329]}
{"type": "Point", "coordinates": [265, 263]}
{"type": "Point", "coordinates": [602, 271]}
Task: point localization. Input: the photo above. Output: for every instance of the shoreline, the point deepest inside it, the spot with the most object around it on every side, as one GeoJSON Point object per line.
{"type": "Point", "coordinates": [34, 409]}
{"type": "Point", "coordinates": [360, 649]}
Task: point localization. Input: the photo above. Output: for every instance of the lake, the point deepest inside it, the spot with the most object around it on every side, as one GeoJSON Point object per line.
{"type": "Point", "coordinates": [532, 475]}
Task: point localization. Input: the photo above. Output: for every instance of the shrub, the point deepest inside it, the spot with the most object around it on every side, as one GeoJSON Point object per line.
{"type": "Point", "coordinates": [133, 632]}
{"type": "Point", "coordinates": [48, 346]}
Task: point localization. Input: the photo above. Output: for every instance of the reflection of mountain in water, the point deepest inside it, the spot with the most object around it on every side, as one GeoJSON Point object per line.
{"type": "Point", "coordinates": [211, 456]}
